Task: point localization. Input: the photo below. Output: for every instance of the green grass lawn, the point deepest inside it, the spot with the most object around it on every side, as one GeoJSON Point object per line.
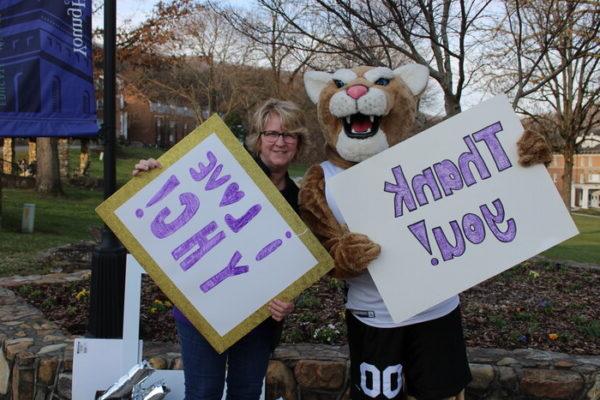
{"type": "Point", "coordinates": [58, 221]}
{"type": "Point", "coordinates": [65, 220]}
{"type": "Point", "coordinates": [589, 211]}
{"type": "Point", "coordinates": [584, 247]}
{"type": "Point", "coordinates": [297, 170]}
{"type": "Point", "coordinates": [127, 157]}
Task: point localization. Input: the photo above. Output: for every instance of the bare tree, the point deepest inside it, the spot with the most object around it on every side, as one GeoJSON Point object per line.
{"type": "Point", "coordinates": [148, 43]}
{"type": "Point", "coordinates": [435, 33]}
{"type": "Point", "coordinates": [47, 180]}
{"type": "Point", "coordinates": [274, 43]}
{"type": "Point", "coordinates": [546, 56]}
{"type": "Point", "coordinates": [199, 60]}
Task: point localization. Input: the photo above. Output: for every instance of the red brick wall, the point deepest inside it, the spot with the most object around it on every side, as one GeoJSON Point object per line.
{"type": "Point", "coordinates": [586, 169]}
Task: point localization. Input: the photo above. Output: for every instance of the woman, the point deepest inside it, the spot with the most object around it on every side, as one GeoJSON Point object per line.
{"type": "Point", "coordinates": [278, 136]}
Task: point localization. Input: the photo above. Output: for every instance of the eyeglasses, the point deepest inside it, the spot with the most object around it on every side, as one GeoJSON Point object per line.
{"type": "Point", "coordinates": [272, 136]}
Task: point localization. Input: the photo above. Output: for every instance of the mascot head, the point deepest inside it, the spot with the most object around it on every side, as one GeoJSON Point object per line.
{"type": "Point", "coordinates": [365, 110]}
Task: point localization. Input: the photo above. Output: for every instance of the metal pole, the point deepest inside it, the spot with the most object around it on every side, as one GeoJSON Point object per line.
{"type": "Point", "coordinates": [108, 259]}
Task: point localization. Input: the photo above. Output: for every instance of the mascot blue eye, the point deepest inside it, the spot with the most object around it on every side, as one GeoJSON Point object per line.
{"type": "Point", "coordinates": [382, 81]}
{"type": "Point", "coordinates": [338, 83]}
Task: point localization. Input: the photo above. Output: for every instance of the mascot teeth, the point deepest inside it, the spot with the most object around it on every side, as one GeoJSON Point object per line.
{"type": "Point", "coordinates": [365, 110]}
{"type": "Point", "coordinates": [360, 126]}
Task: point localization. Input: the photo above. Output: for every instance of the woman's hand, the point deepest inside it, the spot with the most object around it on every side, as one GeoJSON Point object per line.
{"type": "Point", "coordinates": [145, 165]}
{"type": "Point", "coordinates": [280, 309]}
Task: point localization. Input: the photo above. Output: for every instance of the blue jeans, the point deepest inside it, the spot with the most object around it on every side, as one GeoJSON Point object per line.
{"type": "Point", "coordinates": [204, 369]}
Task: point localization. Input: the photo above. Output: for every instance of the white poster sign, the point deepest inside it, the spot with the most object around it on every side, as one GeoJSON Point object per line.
{"type": "Point", "coordinates": [451, 207]}
{"type": "Point", "coordinates": [215, 234]}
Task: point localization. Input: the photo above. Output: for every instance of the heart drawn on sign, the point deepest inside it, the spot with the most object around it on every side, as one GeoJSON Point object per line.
{"type": "Point", "coordinates": [232, 194]}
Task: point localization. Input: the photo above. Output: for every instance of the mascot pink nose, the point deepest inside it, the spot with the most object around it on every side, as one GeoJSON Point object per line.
{"type": "Point", "coordinates": [357, 91]}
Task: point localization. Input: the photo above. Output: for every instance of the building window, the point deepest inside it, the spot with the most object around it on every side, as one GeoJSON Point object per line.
{"type": "Point", "coordinates": [56, 95]}
{"type": "Point", "coordinates": [172, 131]}
{"type": "Point", "coordinates": [157, 129]}
{"type": "Point", "coordinates": [15, 44]}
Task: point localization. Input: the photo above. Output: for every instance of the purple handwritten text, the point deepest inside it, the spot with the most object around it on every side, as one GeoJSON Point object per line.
{"type": "Point", "coordinates": [215, 180]}
{"type": "Point", "coordinates": [472, 227]}
{"type": "Point", "coordinates": [268, 249]}
{"type": "Point", "coordinates": [232, 269]}
{"type": "Point", "coordinates": [161, 229]}
{"type": "Point", "coordinates": [202, 242]}
{"type": "Point", "coordinates": [236, 225]}
{"type": "Point", "coordinates": [452, 176]}
{"type": "Point", "coordinates": [204, 170]}
{"type": "Point", "coordinates": [492, 222]}
{"type": "Point", "coordinates": [232, 195]}
{"type": "Point", "coordinates": [163, 192]}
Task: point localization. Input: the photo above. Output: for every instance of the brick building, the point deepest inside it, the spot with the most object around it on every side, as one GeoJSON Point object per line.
{"type": "Point", "coordinates": [142, 120]}
{"type": "Point", "coordinates": [152, 122]}
{"type": "Point", "coordinates": [585, 187]}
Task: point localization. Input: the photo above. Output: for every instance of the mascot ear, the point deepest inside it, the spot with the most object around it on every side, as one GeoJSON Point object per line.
{"type": "Point", "coordinates": [314, 82]}
{"type": "Point", "coordinates": [415, 76]}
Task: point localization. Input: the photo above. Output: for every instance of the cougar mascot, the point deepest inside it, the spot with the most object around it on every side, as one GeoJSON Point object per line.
{"type": "Point", "coordinates": [363, 111]}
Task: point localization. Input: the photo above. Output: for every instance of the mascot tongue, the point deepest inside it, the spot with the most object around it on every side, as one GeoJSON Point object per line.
{"type": "Point", "coordinates": [362, 124]}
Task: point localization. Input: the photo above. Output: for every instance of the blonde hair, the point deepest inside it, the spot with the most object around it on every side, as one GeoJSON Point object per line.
{"type": "Point", "coordinates": [292, 120]}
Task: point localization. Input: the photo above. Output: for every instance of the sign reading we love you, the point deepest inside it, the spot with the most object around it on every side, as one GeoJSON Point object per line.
{"type": "Point", "coordinates": [451, 207]}
{"type": "Point", "coordinates": [215, 234]}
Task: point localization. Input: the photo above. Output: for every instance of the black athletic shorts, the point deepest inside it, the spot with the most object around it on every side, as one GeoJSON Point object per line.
{"type": "Point", "coordinates": [431, 356]}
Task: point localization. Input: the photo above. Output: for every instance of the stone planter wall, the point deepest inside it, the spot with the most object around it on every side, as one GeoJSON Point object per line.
{"type": "Point", "coordinates": [33, 351]}
{"type": "Point", "coordinates": [319, 372]}
{"type": "Point", "coordinates": [36, 363]}
{"type": "Point", "coordinates": [306, 372]}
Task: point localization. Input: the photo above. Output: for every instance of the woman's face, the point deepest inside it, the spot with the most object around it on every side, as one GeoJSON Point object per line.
{"type": "Point", "coordinates": [276, 152]}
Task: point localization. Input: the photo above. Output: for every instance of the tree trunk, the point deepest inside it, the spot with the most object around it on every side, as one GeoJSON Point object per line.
{"type": "Point", "coordinates": [568, 156]}
{"type": "Point", "coordinates": [48, 176]}
{"type": "Point", "coordinates": [31, 151]}
{"type": "Point", "coordinates": [84, 157]}
{"type": "Point", "coordinates": [63, 157]}
{"type": "Point", "coordinates": [451, 104]}
{"type": "Point", "coordinates": [8, 156]}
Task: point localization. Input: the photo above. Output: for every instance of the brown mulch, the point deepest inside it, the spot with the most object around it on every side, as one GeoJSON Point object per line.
{"type": "Point", "coordinates": [541, 305]}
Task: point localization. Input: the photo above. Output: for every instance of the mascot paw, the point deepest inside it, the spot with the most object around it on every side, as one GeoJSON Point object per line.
{"type": "Point", "coordinates": [533, 149]}
{"type": "Point", "coordinates": [354, 252]}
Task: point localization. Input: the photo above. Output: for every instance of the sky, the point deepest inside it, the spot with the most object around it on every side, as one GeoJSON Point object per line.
{"type": "Point", "coordinates": [138, 10]}
{"type": "Point", "coordinates": [126, 9]}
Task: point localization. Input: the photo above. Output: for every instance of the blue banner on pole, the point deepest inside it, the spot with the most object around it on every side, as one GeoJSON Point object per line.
{"type": "Point", "coordinates": [46, 78]}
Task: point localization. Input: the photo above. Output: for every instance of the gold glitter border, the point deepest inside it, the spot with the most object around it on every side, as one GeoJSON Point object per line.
{"type": "Point", "coordinates": [214, 125]}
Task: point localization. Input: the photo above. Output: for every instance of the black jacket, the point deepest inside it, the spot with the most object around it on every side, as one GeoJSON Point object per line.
{"type": "Point", "coordinates": [290, 193]}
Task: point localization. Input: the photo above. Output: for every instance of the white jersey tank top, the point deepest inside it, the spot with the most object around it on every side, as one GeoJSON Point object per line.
{"type": "Point", "coordinates": [364, 300]}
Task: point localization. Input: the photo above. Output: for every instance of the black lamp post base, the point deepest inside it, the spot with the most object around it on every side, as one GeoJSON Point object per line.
{"type": "Point", "coordinates": [107, 292]}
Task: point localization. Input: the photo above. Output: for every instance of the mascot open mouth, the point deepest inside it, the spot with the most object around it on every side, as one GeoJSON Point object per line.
{"type": "Point", "coordinates": [361, 126]}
